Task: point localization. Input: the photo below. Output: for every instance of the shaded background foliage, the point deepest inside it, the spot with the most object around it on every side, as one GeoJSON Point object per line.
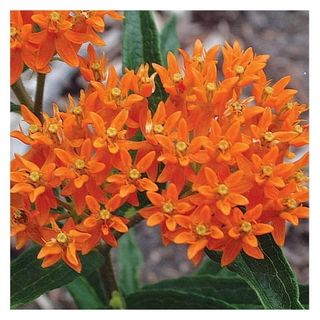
{"type": "Point", "coordinates": [282, 34]}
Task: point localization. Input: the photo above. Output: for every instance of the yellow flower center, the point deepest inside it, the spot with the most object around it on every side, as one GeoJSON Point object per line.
{"type": "Point", "coordinates": [85, 13]}
{"type": "Point", "coordinates": [246, 226]}
{"type": "Point", "coordinates": [181, 146]}
{"type": "Point", "coordinates": [112, 132]}
{"type": "Point", "coordinates": [177, 77]}
{"type": "Point", "coordinates": [33, 128]}
{"type": "Point", "coordinates": [20, 217]}
{"type": "Point", "coordinates": [201, 229]}
{"type": "Point", "coordinates": [269, 136]}
{"type": "Point", "coordinates": [268, 90]}
{"type": "Point", "coordinates": [300, 176]}
{"type": "Point", "coordinates": [55, 16]}
{"type": "Point", "coordinates": [223, 145]}
{"type": "Point", "coordinates": [53, 128]}
{"type": "Point", "coordinates": [291, 203]}
{"type": "Point", "coordinates": [158, 128]}
{"type": "Point", "coordinates": [13, 31]}
{"type": "Point", "coordinates": [211, 86]}
{"type": "Point", "coordinates": [145, 80]}
{"type": "Point", "coordinates": [35, 176]}
{"type": "Point", "coordinates": [116, 92]}
{"type": "Point", "coordinates": [79, 164]}
{"type": "Point", "coordinates": [95, 66]}
{"type": "Point", "coordinates": [62, 238]}
{"type": "Point", "coordinates": [167, 207]}
{"type": "Point", "coordinates": [105, 214]}
{"type": "Point", "coordinates": [239, 69]}
{"type": "Point", "coordinates": [134, 174]}
{"type": "Point", "coordinates": [222, 189]}
{"type": "Point", "coordinates": [267, 171]}
{"type": "Point", "coordinates": [236, 106]}
{"type": "Point", "coordinates": [199, 59]}
{"type": "Point", "coordinates": [298, 128]}
{"type": "Point", "coordinates": [77, 110]}
{"type": "Point", "coordinates": [289, 105]}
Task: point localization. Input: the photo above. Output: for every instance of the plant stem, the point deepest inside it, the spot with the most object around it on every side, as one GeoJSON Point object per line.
{"type": "Point", "coordinates": [22, 94]}
{"type": "Point", "coordinates": [41, 78]}
{"type": "Point", "coordinates": [107, 273]}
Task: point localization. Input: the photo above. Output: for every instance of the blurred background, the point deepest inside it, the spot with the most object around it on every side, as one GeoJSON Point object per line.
{"type": "Point", "coordinates": [282, 34]}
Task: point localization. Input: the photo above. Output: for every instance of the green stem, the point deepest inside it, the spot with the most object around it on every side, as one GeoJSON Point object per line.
{"type": "Point", "coordinates": [107, 273]}
{"type": "Point", "coordinates": [22, 94]}
{"type": "Point", "coordinates": [38, 101]}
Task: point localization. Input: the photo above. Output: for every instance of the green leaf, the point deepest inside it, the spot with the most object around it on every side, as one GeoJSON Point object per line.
{"type": "Point", "coordinates": [173, 299]}
{"type": "Point", "coordinates": [84, 294]}
{"type": "Point", "coordinates": [29, 280]}
{"type": "Point", "coordinates": [130, 260]}
{"type": "Point", "coordinates": [169, 39]}
{"type": "Point", "coordinates": [304, 295]}
{"type": "Point", "coordinates": [272, 278]}
{"type": "Point", "coordinates": [141, 44]}
{"type": "Point", "coordinates": [233, 291]}
{"type": "Point", "coordinates": [132, 53]}
{"type": "Point", "coordinates": [14, 107]}
{"type": "Point", "coordinates": [95, 281]}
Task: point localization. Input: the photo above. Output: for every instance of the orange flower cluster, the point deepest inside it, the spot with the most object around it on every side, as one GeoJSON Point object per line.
{"type": "Point", "coordinates": [35, 37]}
{"type": "Point", "coordinates": [215, 159]}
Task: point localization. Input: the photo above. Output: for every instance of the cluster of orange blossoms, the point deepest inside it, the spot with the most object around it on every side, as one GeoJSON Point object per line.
{"type": "Point", "coordinates": [215, 160]}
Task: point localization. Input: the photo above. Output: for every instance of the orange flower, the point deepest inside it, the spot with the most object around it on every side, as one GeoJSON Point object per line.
{"type": "Point", "coordinates": [165, 208]}
{"type": "Point", "coordinates": [113, 136]}
{"type": "Point", "coordinates": [197, 230]}
{"type": "Point", "coordinates": [159, 124]}
{"type": "Point", "coordinates": [78, 167]}
{"type": "Point", "coordinates": [56, 35]}
{"type": "Point", "coordinates": [243, 64]}
{"type": "Point", "coordinates": [21, 50]}
{"type": "Point", "coordinates": [25, 222]}
{"type": "Point", "coordinates": [62, 244]}
{"type": "Point", "coordinates": [226, 192]}
{"type": "Point", "coordinates": [143, 84]}
{"type": "Point", "coordinates": [35, 131]}
{"type": "Point", "coordinates": [131, 179]}
{"type": "Point", "coordinates": [266, 172]}
{"type": "Point", "coordinates": [172, 79]}
{"type": "Point", "coordinates": [242, 232]}
{"type": "Point", "coordinates": [102, 221]}
{"type": "Point", "coordinates": [286, 205]}
{"type": "Point", "coordinates": [94, 67]}
{"type": "Point", "coordinates": [225, 146]}
{"type": "Point", "coordinates": [32, 180]}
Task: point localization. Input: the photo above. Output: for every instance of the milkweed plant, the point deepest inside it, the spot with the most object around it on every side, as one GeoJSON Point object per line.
{"type": "Point", "coordinates": [201, 144]}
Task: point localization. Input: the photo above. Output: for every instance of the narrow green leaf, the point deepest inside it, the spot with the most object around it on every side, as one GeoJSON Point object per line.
{"type": "Point", "coordinates": [233, 291]}
{"type": "Point", "coordinates": [130, 260]}
{"type": "Point", "coordinates": [272, 278]}
{"type": "Point", "coordinates": [141, 44]}
{"type": "Point", "coordinates": [173, 299]}
{"type": "Point", "coordinates": [132, 53]}
{"type": "Point", "coordinates": [169, 40]}
{"type": "Point", "coordinates": [29, 280]}
{"type": "Point", "coordinates": [14, 107]}
{"type": "Point", "coordinates": [84, 294]}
